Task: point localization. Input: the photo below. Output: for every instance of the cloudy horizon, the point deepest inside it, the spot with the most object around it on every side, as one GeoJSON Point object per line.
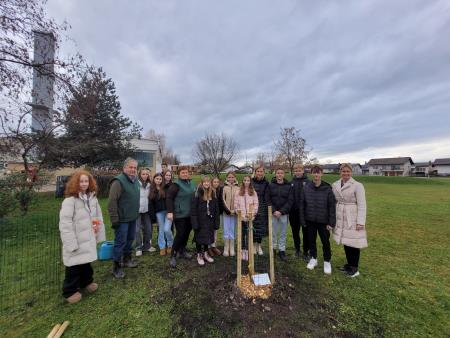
{"type": "Point", "coordinates": [360, 80]}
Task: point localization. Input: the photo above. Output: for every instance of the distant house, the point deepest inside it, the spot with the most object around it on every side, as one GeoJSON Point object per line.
{"type": "Point", "coordinates": [396, 166]}
{"type": "Point", "coordinates": [422, 169]}
{"type": "Point", "coordinates": [441, 166]}
{"type": "Point", "coordinates": [331, 168]}
{"type": "Point", "coordinates": [247, 169]}
{"type": "Point", "coordinates": [357, 169]}
{"type": "Point", "coordinates": [365, 169]}
{"type": "Point", "coordinates": [231, 167]}
{"type": "Point", "coordinates": [147, 153]}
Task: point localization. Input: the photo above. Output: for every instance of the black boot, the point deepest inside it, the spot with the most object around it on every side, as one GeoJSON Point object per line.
{"type": "Point", "coordinates": [282, 255]}
{"type": "Point", "coordinates": [185, 254]}
{"type": "Point", "coordinates": [128, 262]}
{"type": "Point", "coordinates": [173, 260]}
{"type": "Point", "coordinates": [298, 254]}
{"type": "Point", "coordinates": [118, 270]}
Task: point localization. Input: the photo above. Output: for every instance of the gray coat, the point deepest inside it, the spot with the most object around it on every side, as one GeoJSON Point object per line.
{"type": "Point", "coordinates": [79, 243]}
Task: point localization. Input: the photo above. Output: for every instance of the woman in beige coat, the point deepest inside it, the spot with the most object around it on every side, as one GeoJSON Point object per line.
{"type": "Point", "coordinates": [350, 227]}
{"type": "Point", "coordinates": [81, 228]}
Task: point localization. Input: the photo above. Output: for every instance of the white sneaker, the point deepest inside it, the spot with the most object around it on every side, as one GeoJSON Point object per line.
{"type": "Point", "coordinates": [312, 264]}
{"type": "Point", "coordinates": [138, 253]}
{"type": "Point", "coordinates": [200, 260]}
{"type": "Point", "coordinates": [260, 250]}
{"type": "Point", "coordinates": [232, 253]}
{"type": "Point", "coordinates": [152, 249]}
{"type": "Point", "coordinates": [245, 255]}
{"type": "Point", "coordinates": [208, 258]}
{"type": "Point", "coordinates": [327, 268]}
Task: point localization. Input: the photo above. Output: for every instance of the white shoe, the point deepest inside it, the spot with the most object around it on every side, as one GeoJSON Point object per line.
{"type": "Point", "coordinates": [152, 249]}
{"type": "Point", "coordinates": [138, 253]}
{"type": "Point", "coordinates": [200, 260]}
{"type": "Point", "coordinates": [327, 268]}
{"type": "Point", "coordinates": [208, 258]}
{"type": "Point", "coordinates": [226, 248]}
{"type": "Point", "coordinates": [260, 250]}
{"type": "Point", "coordinates": [312, 264]}
{"type": "Point", "coordinates": [245, 255]}
{"type": "Point", "coordinates": [232, 253]}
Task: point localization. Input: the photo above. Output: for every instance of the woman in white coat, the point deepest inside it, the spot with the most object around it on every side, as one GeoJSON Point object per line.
{"type": "Point", "coordinates": [81, 228]}
{"type": "Point", "coordinates": [350, 227]}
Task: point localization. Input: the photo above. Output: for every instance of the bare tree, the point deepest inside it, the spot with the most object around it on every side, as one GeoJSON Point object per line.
{"type": "Point", "coordinates": [215, 152]}
{"type": "Point", "coordinates": [291, 147]}
{"type": "Point", "coordinates": [166, 152]}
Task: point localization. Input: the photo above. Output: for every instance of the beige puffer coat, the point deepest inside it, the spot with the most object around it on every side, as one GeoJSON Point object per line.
{"type": "Point", "coordinates": [79, 243]}
{"type": "Point", "coordinates": [229, 193]}
{"type": "Point", "coordinates": [350, 210]}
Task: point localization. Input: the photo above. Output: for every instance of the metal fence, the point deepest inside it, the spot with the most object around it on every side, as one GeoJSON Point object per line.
{"type": "Point", "coordinates": [31, 268]}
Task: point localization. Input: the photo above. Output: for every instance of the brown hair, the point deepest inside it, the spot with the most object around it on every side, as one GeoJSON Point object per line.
{"type": "Point", "coordinates": [73, 185]}
{"type": "Point", "coordinates": [154, 191]}
{"type": "Point", "coordinates": [183, 167]}
{"type": "Point", "coordinates": [345, 165]}
{"type": "Point", "coordinates": [207, 193]}
{"type": "Point", "coordinates": [260, 166]}
{"type": "Point", "coordinates": [251, 190]}
{"type": "Point", "coordinates": [279, 168]}
{"type": "Point", "coordinates": [316, 169]}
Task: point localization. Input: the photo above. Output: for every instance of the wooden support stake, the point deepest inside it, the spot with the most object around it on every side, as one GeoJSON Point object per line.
{"type": "Point", "coordinates": [271, 258]}
{"type": "Point", "coordinates": [61, 329]}
{"type": "Point", "coordinates": [251, 257]}
{"type": "Point", "coordinates": [239, 251]}
{"type": "Point", "coordinates": [54, 330]}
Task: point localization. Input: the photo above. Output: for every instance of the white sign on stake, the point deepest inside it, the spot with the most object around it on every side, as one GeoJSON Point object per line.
{"type": "Point", "coordinates": [261, 279]}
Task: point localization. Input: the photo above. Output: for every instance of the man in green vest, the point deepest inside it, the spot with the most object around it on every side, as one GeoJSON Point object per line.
{"type": "Point", "coordinates": [178, 203]}
{"type": "Point", "coordinates": [123, 207]}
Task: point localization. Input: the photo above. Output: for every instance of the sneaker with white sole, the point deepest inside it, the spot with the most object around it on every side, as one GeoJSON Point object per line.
{"type": "Point", "coordinates": [352, 272]}
{"type": "Point", "coordinates": [138, 253]}
{"type": "Point", "coordinates": [151, 249]}
{"type": "Point", "coordinates": [327, 268]}
{"type": "Point", "coordinates": [260, 250]}
{"type": "Point", "coordinates": [208, 258]}
{"type": "Point", "coordinates": [312, 264]}
{"type": "Point", "coordinates": [200, 260]}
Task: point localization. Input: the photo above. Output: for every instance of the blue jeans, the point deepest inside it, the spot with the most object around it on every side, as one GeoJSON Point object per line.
{"type": "Point", "coordinates": [123, 240]}
{"type": "Point", "coordinates": [164, 230]}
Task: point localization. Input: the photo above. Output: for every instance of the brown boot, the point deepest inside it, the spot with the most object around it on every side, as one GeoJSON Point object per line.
{"type": "Point", "coordinates": [169, 250]}
{"type": "Point", "coordinates": [162, 252]}
{"type": "Point", "coordinates": [91, 288]}
{"type": "Point", "coordinates": [216, 251]}
{"type": "Point", "coordinates": [75, 298]}
{"type": "Point", "coordinates": [210, 252]}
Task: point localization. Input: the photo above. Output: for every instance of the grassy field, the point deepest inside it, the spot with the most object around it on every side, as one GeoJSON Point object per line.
{"type": "Point", "coordinates": [403, 290]}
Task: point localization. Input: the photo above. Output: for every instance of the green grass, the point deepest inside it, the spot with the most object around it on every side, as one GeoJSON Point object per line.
{"type": "Point", "coordinates": [403, 290]}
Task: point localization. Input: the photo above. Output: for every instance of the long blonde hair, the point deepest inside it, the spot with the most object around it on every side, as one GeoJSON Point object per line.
{"type": "Point", "coordinates": [207, 193]}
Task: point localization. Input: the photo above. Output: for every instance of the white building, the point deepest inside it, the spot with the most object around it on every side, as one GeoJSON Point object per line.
{"type": "Point", "coordinates": [422, 169]}
{"type": "Point", "coordinates": [397, 166]}
{"type": "Point", "coordinates": [441, 166]}
{"type": "Point", "coordinates": [357, 169]}
{"type": "Point", "coordinates": [147, 154]}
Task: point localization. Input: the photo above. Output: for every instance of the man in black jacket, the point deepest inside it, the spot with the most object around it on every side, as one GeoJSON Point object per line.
{"type": "Point", "coordinates": [318, 212]}
{"type": "Point", "coordinates": [282, 198]}
{"type": "Point", "coordinates": [298, 182]}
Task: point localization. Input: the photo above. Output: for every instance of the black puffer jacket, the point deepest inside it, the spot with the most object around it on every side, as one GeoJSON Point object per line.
{"type": "Point", "coordinates": [204, 218]}
{"type": "Point", "coordinates": [261, 221]}
{"type": "Point", "coordinates": [318, 204]}
{"type": "Point", "coordinates": [281, 196]}
{"type": "Point", "coordinates": [158, 204]}
{"type": "Point", "coordinates": [297, 187]}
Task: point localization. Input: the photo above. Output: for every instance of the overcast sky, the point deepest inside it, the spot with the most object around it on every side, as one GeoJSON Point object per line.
{"type": "Point", "coordinates": [361, 79]}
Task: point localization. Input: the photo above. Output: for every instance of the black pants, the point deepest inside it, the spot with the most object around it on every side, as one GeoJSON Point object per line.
{"type": "Point", "coordinates": [352, 255]}
{"type": "Point", "coordinates": [324, 234]}
{"type": "Point", "coordinates": [183, 228]}
{"type": "Point", "coordinates": [244, 235]}
{"type": "Point", "coordinates": [294, 220]}
{"type": "Point", "coordinates": [201, 248]}
{"type": "Point", "coordinates": [77, 277]}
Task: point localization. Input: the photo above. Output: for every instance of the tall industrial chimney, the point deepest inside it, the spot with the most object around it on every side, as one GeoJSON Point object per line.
{"type": "Point", "coordinates": [43, 81]}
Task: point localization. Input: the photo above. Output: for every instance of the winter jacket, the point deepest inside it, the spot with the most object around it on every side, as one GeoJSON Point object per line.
{"type": "Point", "coordinates": [261, 221]}
{"type": "Point", "coordinates": [245, 204]}
{"type": "Point", "coordinates": [79, 243]}
{"type": "Point", "coordinates": [123, 201]}
{"type": "Point", "coordinates": [229, 192]}
{"type": "Point", "coordinates": [350, 211]}
{"type": "Point", "coordinates": [205, 218]}
{"type": "Point", "coordinates": [281, 196]}
{"type": "Point", "coordinates": [178, 198]}
{"type": "Point", "coordinates": [318, 204]}
{"type": "Point", "coordinates": [219, 192]}
{"type": "Point", "coordinates": [157, 203]}
{"type": "Point", "coordinates": [144, 192]}
{"type": "Point", "coordinates": [297, 187]}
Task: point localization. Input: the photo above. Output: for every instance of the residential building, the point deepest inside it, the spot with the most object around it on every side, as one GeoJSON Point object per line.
{"type": "Point", "coordinates": [357, 169]}
{"type": "Point", "coordinates": [147, 153]}
{"type": "Point", "coordinates": [422, 169]}
{"type": "Point", "coordinates": [331, 168]}
{"type": "Point", "coordinates": [397, 166]}
{"type": "Point", "coordinates": [441, 166]}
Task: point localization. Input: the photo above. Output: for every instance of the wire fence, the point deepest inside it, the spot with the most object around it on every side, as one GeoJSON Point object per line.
{"type": "Point", "coordinates": [31, 268]}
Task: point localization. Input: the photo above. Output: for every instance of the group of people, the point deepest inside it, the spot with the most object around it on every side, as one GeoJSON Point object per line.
{"type": "Point", "coordinates": [137, 201]}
